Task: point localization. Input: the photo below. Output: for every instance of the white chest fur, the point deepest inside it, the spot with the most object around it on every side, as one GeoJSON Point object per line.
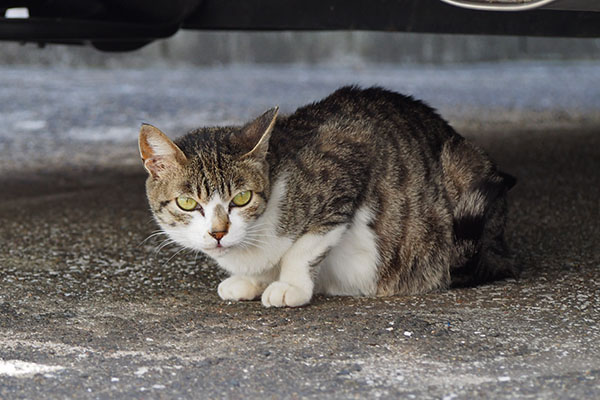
{"type": "Point", "coordinates": [350, 268]}
{"type": "Point", "coordinates": [267, 248]}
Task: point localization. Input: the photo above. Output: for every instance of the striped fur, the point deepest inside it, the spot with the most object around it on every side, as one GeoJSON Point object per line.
{"type": "Point", "coordinates": [370, 185]}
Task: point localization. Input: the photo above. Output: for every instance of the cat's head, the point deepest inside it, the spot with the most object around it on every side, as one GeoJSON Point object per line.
{"type": "Point", "coordinates": [207, 189]}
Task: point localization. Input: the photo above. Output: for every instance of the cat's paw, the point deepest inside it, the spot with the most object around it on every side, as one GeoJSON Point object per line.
{"type": "Point", "coordinates": [239, 288]}
{"type": "Point", "coordinates": [282, 294]}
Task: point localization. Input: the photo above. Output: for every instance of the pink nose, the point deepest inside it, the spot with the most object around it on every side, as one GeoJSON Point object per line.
{"type": "Point", "coordinates": [218, 235]}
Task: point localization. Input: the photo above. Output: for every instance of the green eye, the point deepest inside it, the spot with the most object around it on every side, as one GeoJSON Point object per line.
{"type": "Point", "coordinates": [242, 198]}
{"type": "Point", "coordinates": [186, 203]}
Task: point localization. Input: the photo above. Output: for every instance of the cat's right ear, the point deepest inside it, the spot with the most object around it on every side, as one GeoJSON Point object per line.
{"type": "Point", "coordinates": [158, 152]}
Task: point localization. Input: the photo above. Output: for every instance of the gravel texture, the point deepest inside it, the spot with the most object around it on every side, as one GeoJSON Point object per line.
{"type": "Point", "coordinates": [91, 308]}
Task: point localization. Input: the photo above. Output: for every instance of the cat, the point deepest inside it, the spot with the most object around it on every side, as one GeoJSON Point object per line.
{"type": "Point", "coordinates": [365, 193]}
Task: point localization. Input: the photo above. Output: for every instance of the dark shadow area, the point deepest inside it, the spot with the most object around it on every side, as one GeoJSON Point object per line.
{"type": "Point", "coordinates": [554, 219]}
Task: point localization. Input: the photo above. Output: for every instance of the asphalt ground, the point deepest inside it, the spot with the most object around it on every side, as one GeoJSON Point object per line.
{"type": "Point", "coordinates": [91, 309]}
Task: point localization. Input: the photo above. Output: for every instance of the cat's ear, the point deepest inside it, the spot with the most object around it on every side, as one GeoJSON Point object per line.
{"type": "Point", "coordinates": [255, 135]}
{"type": "Point", "coordinates": [158, 152]}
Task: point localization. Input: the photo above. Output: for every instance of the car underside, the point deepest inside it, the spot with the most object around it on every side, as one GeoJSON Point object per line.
{"type": "Point", "coordinates": [113, 25]}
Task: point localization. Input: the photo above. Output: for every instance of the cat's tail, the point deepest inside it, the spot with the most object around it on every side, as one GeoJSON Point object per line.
{"type": "Point", "coordinates": [479, 220]}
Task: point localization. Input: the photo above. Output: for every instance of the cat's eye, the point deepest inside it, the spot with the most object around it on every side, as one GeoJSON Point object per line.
{"type": "Point", "coordinates": [242, 198]}
{"type": "Point", "coordinates": [186, 203]}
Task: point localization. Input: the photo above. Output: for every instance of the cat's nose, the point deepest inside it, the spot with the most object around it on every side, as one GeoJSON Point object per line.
{"type": "Point", "coordinates": [218, 235]}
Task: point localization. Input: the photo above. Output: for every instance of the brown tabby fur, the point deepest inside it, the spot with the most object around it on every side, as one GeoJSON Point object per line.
{"type": "Point", "coordinates": [439, 202]}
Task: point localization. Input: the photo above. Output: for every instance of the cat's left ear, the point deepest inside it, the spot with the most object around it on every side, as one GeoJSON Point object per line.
{"type": "Point", "coordinates": [158, 152]}
{"type": "Point", "coordinates": [256, 134]}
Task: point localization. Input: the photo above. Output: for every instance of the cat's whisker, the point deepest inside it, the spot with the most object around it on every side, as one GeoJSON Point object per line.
{"type": "Point", "coordinates": [259, 230]}
{"type": "Point", "coordinates": [248, 246]}
{"type": "Point", "coordinates": [249, 239]}
{"type": "Point", "coordinates": [259, 235]}
{"type": "Point", "coordinates": [254, 237]}
{"type": "Point", "coordinates": [256, 241]}
{"type": "Point", "coordinates": [243, 245]}
{"type": "Point", "coordinates": [264, 231]}
{"type": "Point", "coordinates": [264, 235]}
{"type": "Point", "coordinates": [174, 255]}
{"type": "Point", "coordinates": [256, 244]}
{"type": "Point", "coordinates": [265, 238]}
{"type": "Point", "coordinates": [262, 224]}
{"type": "Point", "coordinates": [164, 244]}
{"type": "Point", "coordinates": [167, 241]}
{"type": "Point", "coordinates": [157, 233]}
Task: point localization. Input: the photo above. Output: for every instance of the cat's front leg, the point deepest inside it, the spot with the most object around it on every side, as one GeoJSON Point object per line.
{"type": "Point", "coordinates": [239, 287]}
{"type": "Point", "coordinates": [295, 285]}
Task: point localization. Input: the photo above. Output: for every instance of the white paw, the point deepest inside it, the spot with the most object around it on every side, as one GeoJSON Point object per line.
{"type": "Point", "coordinates": [282, 294]}
{"type": "Point", "coordinates": [239, 288]}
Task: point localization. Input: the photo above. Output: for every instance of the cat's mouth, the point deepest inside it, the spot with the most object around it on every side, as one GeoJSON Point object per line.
{"type": "Point", "coordinates": [218, 250]}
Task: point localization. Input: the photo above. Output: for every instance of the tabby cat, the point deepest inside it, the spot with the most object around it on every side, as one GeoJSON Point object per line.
{"type": "Point", "coordinates": [365, 193]}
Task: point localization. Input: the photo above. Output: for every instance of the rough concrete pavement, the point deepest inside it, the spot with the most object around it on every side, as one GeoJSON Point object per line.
{"type": "Point", "coordinates": [88, 309]}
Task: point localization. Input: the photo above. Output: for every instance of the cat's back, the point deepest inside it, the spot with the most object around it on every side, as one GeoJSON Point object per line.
{"type": "Point", "coordinates": [374, 103]}
{"type": "Point", "coordinates": [371, 118]}
{"type": "Point", "coordinates": [354, 147]}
